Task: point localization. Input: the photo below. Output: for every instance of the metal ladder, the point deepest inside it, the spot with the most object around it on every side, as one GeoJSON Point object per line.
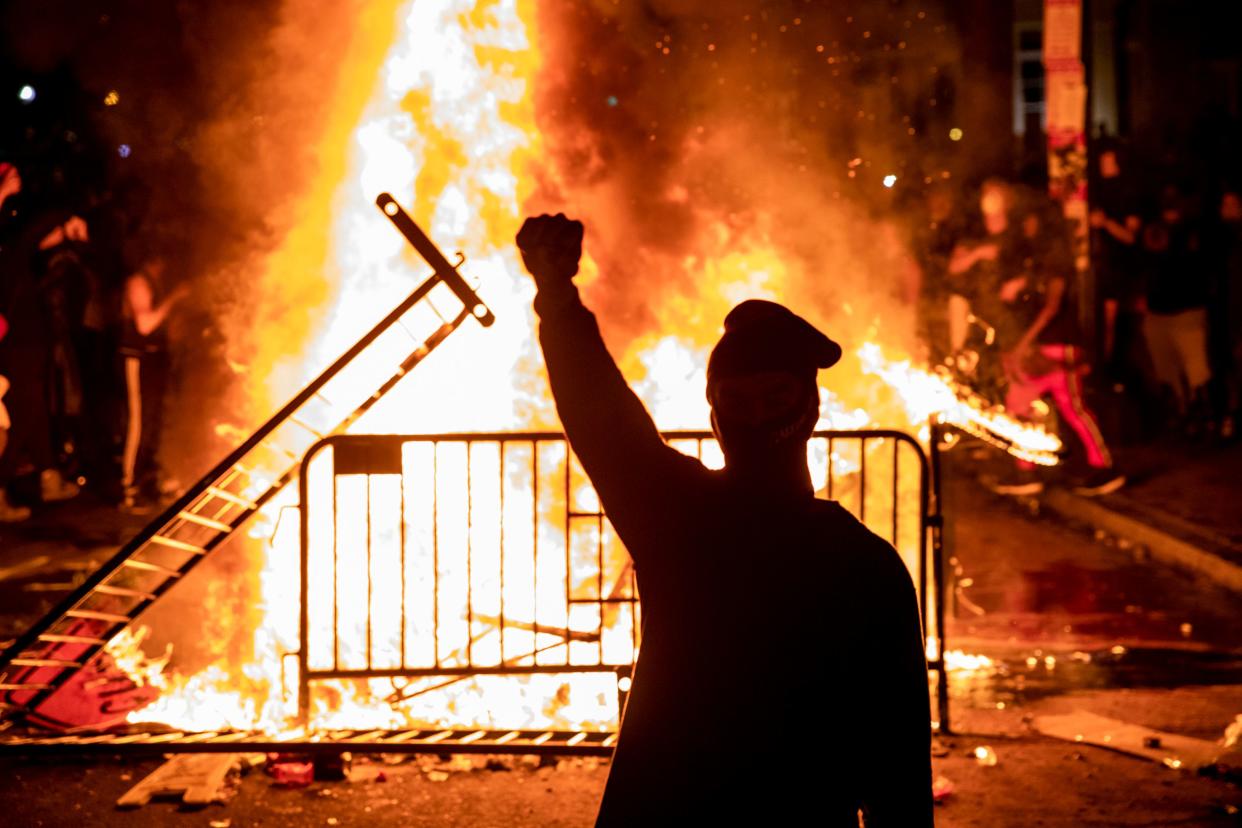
{"type": "Point", "coordinates": [71, 635]}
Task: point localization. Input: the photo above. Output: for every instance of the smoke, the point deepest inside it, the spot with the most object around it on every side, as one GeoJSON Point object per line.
{"type": "Point", "coordinates": [236, 227]}
{"type": "Point", "coordinates": [684, 133]}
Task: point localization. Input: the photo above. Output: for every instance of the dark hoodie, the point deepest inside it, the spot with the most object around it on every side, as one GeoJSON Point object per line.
{"type": "Point", "coordinates": [781, 679]}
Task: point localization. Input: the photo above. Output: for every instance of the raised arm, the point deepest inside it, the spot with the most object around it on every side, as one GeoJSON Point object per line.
{"type": "Point", "coordinates": [621, 450]}
{"type": "Point", "coordinates": [148, 316]}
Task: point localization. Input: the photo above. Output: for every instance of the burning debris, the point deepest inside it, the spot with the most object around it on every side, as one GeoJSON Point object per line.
{"type": "Point", "coordinates": [473, 121]}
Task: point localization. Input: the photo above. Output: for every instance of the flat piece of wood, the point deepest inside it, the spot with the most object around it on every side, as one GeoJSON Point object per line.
{"type": "Point", "coordinates": [197, 778]}
{"type": "Point", "coordinates": [1184, 752]}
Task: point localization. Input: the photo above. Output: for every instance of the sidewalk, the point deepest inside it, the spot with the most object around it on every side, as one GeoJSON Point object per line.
{"type": "Point", "coordinates": [1183, 506]}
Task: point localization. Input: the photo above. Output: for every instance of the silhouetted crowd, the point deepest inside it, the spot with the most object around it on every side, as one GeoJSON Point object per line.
{"type": "Point", "coordinates": [1160, 340]}
{"type": "Point", "coordinates": [83, 359]}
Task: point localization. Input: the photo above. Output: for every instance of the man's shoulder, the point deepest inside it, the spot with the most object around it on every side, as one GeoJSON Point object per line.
{"type": "Point", "coordinates": [844, 525]}
{"type": "Point", "coordinates": [874, 565]}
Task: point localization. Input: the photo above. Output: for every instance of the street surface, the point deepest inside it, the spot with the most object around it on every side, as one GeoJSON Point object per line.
{"type": "Point", "coordinates": [1070, 621]}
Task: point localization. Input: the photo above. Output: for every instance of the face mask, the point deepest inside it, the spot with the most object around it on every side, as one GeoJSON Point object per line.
{"type": "Point", "coordinates": [747, 445]}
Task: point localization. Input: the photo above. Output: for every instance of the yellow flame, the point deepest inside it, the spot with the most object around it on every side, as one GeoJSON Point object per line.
{"type": "Point", "coordinates": [448, 128]}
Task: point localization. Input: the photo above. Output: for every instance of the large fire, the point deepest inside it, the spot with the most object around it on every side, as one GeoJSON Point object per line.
{"type": "Point", "coordinates": [449, 127]}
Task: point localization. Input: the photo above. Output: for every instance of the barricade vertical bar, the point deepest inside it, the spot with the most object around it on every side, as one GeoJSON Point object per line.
{"type": "Point", "coordinates": [935, 516]}
{"type": "Point", "coordinates": [402, 542]}
{"type": "Point", "coordinates": [534, 522]}
{"type": "Point", "coordinates": [469, 552]}
{"type": "Point", "coordinates": [830, 465]}
{"type": "Point", "coordinates": [435, 547]}
{"type": "Point", "coordinates": [569, 463]}
{"type": "Point", "coordinates": [862, 480]}
{"type": "Point", "coordinates": [366, 481]}
{"type": "Point", "coordinates": [336, 598]}
{"type": "Point", "coordinates": [503, 653]}
{"type": "Point", "coordinates": [304, 590]}
{"type": "Point", "coordinates": [599, 576]}
{"type": "Point", "coordinates": [896, 487]}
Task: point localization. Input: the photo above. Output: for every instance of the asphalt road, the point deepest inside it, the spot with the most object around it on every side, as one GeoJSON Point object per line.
{"type": "Point", "coordinates": [1069, 621]}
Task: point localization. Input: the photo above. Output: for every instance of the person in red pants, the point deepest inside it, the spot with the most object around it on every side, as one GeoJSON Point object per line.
{"type": "Point", "coordinates": [1041, 355]}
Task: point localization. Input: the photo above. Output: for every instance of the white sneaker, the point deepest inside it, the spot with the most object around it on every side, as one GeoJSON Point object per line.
{"type": "Point", "coordinates": [54, 487]}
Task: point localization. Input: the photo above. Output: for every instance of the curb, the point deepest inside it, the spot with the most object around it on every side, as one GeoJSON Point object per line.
{"type": "Point", "coordinates": [1163, 546]}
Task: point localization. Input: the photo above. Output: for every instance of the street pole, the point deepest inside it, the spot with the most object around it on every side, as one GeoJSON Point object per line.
{"type": "Point", "coordinates": [1065, 96]}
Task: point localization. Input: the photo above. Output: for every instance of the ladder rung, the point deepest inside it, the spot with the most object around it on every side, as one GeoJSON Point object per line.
{"type": "Point", "coordinates": [124, 592]}
{"type": "Point", "coordinates": [292, 455]}
{"type": "Point", "coordinates": [98, 616]}
{"type": "Point", "coordinates": [147, 566]}
{"type": "Point", "coordinates": [4, 686]}
{"type": "Point", "coordinates": [45, 662]}
{"type": "Point", "coordinates": [224, 494]}
{"type": "Point", "coordinates": [173, 543]}
{"type": "Point", "coordinates": [306, 426]}
{"type": "Point", "coordinates": [205, 521]}
{"type": "Point", "coordinates": [56, 638]}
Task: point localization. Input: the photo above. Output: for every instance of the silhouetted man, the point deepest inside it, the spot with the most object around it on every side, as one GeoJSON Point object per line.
{"type": "Point", "coordinates": [781, 679]}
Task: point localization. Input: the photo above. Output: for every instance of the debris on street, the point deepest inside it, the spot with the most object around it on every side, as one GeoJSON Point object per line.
{"type": "Point", "coordinates": [195, 778]}
{"type": "Point", "coordinates": [1170, 749]}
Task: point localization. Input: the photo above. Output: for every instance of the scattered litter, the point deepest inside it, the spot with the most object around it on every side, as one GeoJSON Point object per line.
{"type": "Point", "coordinates": [1187, 628]}
{"type": "Point", "coordinates": [381, 777]}
{"type": "Point", "coordinates": [985, 756]}
{"type": "Point", "coordinates": [437, 776]}
{"type": "Point", "coordinates": [395, 758]}
{"type": "Point", "coordinates": [220, 823]}
{"type": "Point", "coordinates": [299, 770]}
{"type": "Point", "coordinates": [197, 778]}
{"type": "Point", "coordinates": [1233, 733]}
{"type": "Point", "coordinates": [292, 774]}
{"type": "Point", "coordinates": [942, 789]}
{"type": "Point", "coordinates": [1170, 749]}
{"type": "Point", "coordinates": [333, 821]}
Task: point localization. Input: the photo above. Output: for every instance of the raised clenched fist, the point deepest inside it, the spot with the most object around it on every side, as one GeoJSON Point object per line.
{"type": "Point", "coordinates": [551, 247]}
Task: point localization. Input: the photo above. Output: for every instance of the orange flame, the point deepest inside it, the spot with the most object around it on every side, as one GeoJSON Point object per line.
{"type": "Point", "coordinates": [449, 128]}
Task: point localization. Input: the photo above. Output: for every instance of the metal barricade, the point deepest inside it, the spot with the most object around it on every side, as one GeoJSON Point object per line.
{"type": "Point", "coordinates": [430, 559]}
